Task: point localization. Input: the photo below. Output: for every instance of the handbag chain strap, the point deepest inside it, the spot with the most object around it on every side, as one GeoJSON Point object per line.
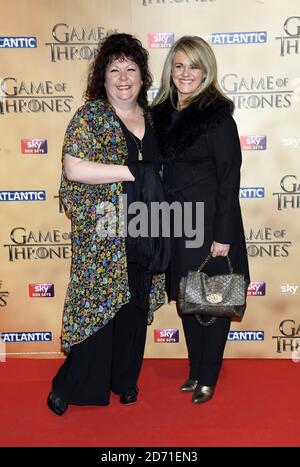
{"type": "Point", "coordinates": [205, 323]}
{"type": "Point", "coordinates": [209, 257]}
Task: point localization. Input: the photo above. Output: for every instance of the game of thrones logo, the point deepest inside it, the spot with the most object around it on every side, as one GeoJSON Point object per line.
{"type": "Point", "coordinates": [28, 245]}
{"type": "Point", "coordinates": [266, 242]}
{"type": "Point", "coordinates": [3, 296]}
{"type": "Point", "coordinates": [289, 338]}
{"type": "Point", "coordinates": [59, 204]}
{"type": "Point", "coordinates": [42, 96]}
{"type": "Point", "coordinates": [76, 43]}
{"type": "Point", "coordinates": [258, 92]}
{"type": "Point", "coordinates": [290, 44]}
{"type": "Point", "coordinates": [289, 197]}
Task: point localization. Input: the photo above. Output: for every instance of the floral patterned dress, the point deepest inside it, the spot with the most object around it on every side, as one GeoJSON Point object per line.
{"type": "Point", "coordinates": [98, 285]}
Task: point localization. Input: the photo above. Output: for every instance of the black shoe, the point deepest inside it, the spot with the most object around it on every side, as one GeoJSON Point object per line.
{"type": "Point", "coordinates": [202, 394]}
{"type": "Point", "coordinates": [56, 404]}
{"type": "Point", "coordinates": [189, 385]}
{"type": "Point", "coordinates": [130, 396]}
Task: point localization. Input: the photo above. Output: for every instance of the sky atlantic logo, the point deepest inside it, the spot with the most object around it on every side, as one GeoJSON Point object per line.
{"type": "Point", "coordinates": [290, 43]}
{"type": "Point", "coordinates": [160, 40]}
{"type": "Point", "coordinates": [18, 42]}
{"type": "Point", "coordinates": [41, 290]}
{"type": "Point", "coordinates": [72, 43]}
{"type": "Point", "coordinates": [289, 197]}
{"type": "Point", "coordinates": [252, 192]}
{"type": "Point", "coordinates": [246, 336]}
{"type": "Point", "coordinates": [40, 336]}
{"type": "Point", "coordinates": [33, 97]}
{"type": "Point", "coordinates": [34, 146]}
{"type": "Point", "coordinates": [260, 92]}
{"type": "Point", "coordinates": [253, 143]}
{"type": "Point", "coordinates": [291, 142]}
{"type": "Point", "coordinates": [290, 289]}
{"type": "Point", "coordinates": [166, 336]}
{"type": "Point", "coordinates": [266, 242]}
{"type": "Point", "coordinates": [257, 289]}
{"type": "Point", "coordinates": [238, 38]}
{"type": "Point", "coordinates": [28, 195]}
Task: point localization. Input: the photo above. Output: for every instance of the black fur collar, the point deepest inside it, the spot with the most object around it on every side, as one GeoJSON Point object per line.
{"type": "Point", "coordinates": [176, 138]}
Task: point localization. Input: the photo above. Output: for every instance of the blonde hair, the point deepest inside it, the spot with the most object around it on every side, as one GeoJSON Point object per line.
{"type": "Point", "coordinates": [201, 56]}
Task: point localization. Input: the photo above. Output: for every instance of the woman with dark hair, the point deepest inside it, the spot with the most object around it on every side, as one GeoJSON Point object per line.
{"type": "Point", "coordinates": [110, 297]}
{"type": "Point", "coordinates": [201, 153]}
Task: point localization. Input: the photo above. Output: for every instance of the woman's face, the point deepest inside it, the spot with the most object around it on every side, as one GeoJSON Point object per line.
{"type": "Point", "coordinates": [185, 76]}
{"type": "Point", "coordinates": [123, 81]}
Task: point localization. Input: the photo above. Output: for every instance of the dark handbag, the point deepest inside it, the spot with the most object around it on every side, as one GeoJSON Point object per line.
{"type": "Point", "coordinates": [222, 295]}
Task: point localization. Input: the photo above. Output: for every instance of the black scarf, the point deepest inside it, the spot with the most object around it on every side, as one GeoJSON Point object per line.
{"type": "Point", "coordinates": [176, 135]}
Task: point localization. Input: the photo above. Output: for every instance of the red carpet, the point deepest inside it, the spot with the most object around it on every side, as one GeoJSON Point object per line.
{"type": "Point", "coordinates": [256, 404]}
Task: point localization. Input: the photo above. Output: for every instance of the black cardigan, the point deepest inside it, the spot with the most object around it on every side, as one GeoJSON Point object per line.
{"type": "Point", "coordinates": [152, 253]}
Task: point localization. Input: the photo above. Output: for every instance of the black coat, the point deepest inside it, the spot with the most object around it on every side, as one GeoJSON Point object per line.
{"type": "Point", "coordinates": [201, 163]}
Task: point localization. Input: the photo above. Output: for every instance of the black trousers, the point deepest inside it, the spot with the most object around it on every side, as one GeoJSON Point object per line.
{"type": "Point", "coordinates": [205, 346]}
{"type": "Point", "coordinates": [111, 359]}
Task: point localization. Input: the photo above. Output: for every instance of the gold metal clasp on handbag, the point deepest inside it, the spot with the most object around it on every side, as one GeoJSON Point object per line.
{"type": "Point", "coordinates": [214, 298]}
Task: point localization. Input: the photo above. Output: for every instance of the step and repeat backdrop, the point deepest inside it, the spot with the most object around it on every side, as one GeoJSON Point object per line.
{"type": "Point", "coordinates": [45, 49]}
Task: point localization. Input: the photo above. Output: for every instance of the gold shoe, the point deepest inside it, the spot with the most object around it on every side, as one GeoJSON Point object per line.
{"type": "Point", "coordinates": [202, 394]}
{"type": "Point", "coordinates": [189, 385]}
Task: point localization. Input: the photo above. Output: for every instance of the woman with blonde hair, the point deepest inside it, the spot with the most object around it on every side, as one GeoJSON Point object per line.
{"type": "Point", "coordinates": [200, 150]}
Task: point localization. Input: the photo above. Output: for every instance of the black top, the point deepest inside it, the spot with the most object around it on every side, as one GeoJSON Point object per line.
{"type": "Point", "coordinates": [149, 154]}
{"type": "Point", "coordinates": [149, 145]}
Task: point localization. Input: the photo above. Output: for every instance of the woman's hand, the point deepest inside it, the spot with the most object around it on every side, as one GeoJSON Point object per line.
{"type": "Point", "coordinates": [219, 249]}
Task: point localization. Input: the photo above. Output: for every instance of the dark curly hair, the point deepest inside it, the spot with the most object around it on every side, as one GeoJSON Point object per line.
{"type": "Point", "coordinates": [114, 47]}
